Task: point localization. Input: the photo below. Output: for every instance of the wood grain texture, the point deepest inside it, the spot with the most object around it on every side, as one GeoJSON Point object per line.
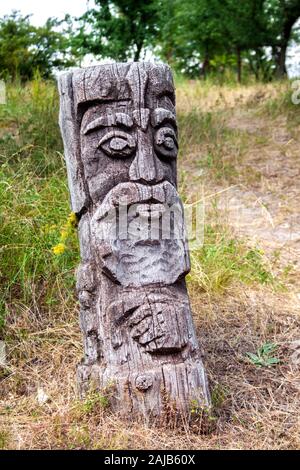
{"type": "Point", "coordinates": [119, 128]}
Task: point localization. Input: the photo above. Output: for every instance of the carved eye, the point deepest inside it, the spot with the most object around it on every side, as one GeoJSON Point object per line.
{"type": "Point", "coordinates": [117, 144]}
{"type": "Point", "coordinates": [166, 142]}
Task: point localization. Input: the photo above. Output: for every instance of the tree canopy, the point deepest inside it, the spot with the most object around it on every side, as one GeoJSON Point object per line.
{"type": "Point", "coordinates": [197, 37]}
{"type": "Point", "coordinates": [25, 48]}
{"type": "Point", "coordinates": [119, 29]}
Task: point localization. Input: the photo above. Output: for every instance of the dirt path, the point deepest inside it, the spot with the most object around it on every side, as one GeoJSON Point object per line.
{"type": "Point", "coordinates": [265, 209]}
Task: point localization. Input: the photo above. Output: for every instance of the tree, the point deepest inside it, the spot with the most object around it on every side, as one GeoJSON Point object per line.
{"type": "Point", "coordinates": [195, 33]}
{"type": "Point", "coordinates": [206, 34]}
{"type": "Point", "coordinates": [118, 29]}
{"type": "Point", "coordinates": [283, 16]}
{"type": "Point", "coordinates": [245, 27]}
{"type": "Point", "coordinates": [195, 36]}
{"type": "Point", "coordinates": [192, 33]}
{"type": "Point", "coordinates": [25, 48]}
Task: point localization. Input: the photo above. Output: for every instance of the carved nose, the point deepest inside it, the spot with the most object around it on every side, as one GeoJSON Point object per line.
{"type": "Point", "coordinates": [146, 166]}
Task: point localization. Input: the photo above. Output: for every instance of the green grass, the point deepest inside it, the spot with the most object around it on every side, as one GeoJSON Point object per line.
{"type": "Point", "coordinates": [34, 202]}
{"type": "Point", "coordinates": [223, 261]}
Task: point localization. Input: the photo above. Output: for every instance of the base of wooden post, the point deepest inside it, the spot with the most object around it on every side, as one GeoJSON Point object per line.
{"type": "Point", "coordinates": [179, 386]}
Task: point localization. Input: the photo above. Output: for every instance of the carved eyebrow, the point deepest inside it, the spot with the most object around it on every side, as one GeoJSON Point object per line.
{"type": "Point", "coordinates": [109, 120]}
{"type": "Point", "coordinates": [161, 115]}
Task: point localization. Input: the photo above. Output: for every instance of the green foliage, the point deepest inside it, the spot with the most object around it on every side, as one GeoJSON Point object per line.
{"type": "Point", "coordinates": [196, 33]}
{"type": "Point", "coordinates": [197, 37]}
{"type": "Point", "coordinates": [219, 395]}
{"type": "Point", "coordinates": [283, 16]}
{"type": "Point", "coordinates": [93, 402]}
{"type": "Point", "coordinates": [192, 33]}
{"type": "Point", "coordinates": [245, 23]}
{"type": "Point", "coordinates": [223, 261]}
{"type": "Point", "coordinates": [24, 48]}
{"type": "Point", "coordinates": [34, 202]}
{"type": "Point", "coordinates": [121, 28]}
{"type": "Point", "coordinates": [264, 356]}
{"type": "Point", "coordinates": [200, 31]}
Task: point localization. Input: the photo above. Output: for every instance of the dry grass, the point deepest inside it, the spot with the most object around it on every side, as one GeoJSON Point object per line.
{"type": "Point", "coordinates": [193, 94]}
{"type": "Point", "coordinates": [254, 407]}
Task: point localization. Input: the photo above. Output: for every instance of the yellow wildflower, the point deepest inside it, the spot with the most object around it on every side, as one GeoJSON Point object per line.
{"type": "Point", "coordinates": [72, 219]}
{"type": "Point", "coordinates": [59, 249]}
{"type": "Point", "coordinates": [64, 235]}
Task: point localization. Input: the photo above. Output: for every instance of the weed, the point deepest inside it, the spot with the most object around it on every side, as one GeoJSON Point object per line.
{"type": "Point", "coordinates": [219, 394]}
{"type": "Point", "coordinates": [263, 356]}
{"type": "Point", "coordinates": [65, 234]}
{"type": "Point", "coordinates": [93, 402]}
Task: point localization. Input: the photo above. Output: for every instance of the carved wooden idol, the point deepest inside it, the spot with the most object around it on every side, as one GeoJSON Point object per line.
{"type": "Point", "coordinates": [120, 135]}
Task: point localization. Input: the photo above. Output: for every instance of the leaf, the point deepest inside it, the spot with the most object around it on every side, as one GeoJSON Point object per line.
{"type": "Point", "coordinates": [253, 358]}
{"type": "Point", "coordinates": [262, 358]}
{"type": "Point", "coordinates": [267, 348]}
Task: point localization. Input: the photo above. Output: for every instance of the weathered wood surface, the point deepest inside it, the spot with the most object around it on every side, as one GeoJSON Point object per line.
{"type": "Point", "coordinates": [120, 135]}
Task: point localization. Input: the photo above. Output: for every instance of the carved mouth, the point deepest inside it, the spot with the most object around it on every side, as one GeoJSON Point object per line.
{"type": "Point", "coordinates": [152, 210]}
{"type": "Point", "coordinates": [128, 194]}
{"type": "Point", "coordinates": [151, 214]}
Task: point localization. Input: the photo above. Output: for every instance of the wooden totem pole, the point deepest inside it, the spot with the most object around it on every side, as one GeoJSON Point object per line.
{"type": "Point", "coordinates": [120, 136]}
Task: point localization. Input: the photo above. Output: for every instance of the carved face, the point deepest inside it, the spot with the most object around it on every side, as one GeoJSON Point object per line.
{"type": "Point", "coordinates": [131, 137]}
{"type": "Point", "coordinates": [128, 140]}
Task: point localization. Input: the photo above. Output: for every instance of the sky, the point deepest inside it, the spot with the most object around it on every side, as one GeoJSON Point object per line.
{"type": "Point", "coordinates": [42, 10]}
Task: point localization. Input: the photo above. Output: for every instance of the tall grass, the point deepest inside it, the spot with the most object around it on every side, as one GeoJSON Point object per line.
{"type": "Point", "coordinates": [210, 157]}
{"type": "Point", "coordinates": [34, 201]}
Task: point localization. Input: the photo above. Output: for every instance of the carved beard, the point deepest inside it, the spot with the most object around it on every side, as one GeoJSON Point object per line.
{"type": "Point", "coordinates": [140, 235]}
